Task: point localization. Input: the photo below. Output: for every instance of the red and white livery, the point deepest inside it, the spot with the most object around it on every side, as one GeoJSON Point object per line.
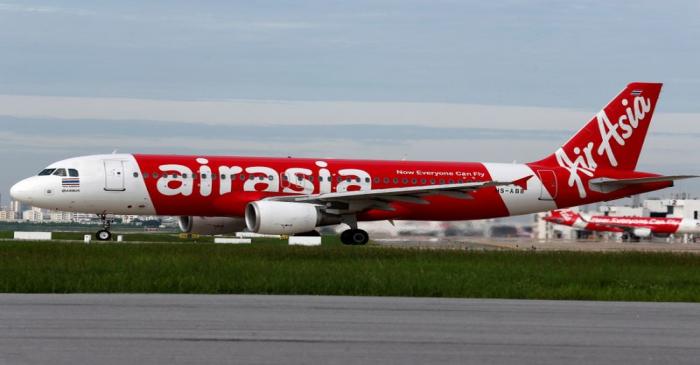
{"type": "Point", "coordinates": [637, 226]}
{"type": "Point", "coordinates": [221, 194]}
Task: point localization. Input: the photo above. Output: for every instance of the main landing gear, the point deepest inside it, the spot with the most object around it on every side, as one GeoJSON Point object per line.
{"type": "Point", "coordinates": [354, 237]}
{"type": "Point", "coordinates": [104, 234]}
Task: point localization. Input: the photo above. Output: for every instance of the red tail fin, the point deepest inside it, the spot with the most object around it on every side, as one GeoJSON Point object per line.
{"type": "Point", "coordinates": [562, 216]}
{"type": "Point", "coordinates": [614, 137]}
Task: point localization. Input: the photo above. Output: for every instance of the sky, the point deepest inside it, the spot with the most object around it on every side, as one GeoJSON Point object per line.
{"type": "Point", "coordinates": [497, 81]}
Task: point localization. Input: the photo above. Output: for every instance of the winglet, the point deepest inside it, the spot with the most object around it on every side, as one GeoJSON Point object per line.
{"type": "Point", "coordinates": [522, 182]}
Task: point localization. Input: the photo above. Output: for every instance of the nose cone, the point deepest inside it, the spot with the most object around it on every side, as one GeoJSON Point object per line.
{"type": "Point", "coordinates": [22, 191]}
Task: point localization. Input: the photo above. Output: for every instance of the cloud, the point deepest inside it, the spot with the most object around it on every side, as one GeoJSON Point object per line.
{"type": "Point", "coordinates": [321, 113]}
{"type": "Point", "coordinates": [42, 9]}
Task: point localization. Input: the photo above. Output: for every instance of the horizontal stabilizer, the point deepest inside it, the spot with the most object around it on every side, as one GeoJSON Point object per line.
{"type": "Point", "coordinates": [608, 185]}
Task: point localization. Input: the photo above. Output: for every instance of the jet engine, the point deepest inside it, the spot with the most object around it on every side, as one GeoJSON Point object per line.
{"type": "Point", "coordinates": [210, 225]}
{"type": "Point", "coordinates": [642, 232]}
{"type": "Point", "coordinates": [273, 217]}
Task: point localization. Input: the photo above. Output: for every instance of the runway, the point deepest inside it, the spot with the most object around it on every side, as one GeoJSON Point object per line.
{"type": "Point", "coordinates": [120, 329]}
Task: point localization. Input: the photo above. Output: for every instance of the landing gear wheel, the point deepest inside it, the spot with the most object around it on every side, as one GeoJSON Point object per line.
{"type": "Point", "coordinates": [308, 234]}
{"type": "Point", "coordinates": [354, 237]}
{"type": "Point", "coordinates": [103, 235]}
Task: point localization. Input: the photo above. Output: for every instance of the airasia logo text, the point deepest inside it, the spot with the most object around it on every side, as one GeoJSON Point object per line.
{"type": "Point", "coordinates": [178, 179]}
{"type": "Point", "coordinates": [584, 157]}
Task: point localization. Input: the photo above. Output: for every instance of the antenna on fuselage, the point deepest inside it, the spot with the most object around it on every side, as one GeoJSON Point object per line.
{"type": "Point", "coordinates": [114, 152]}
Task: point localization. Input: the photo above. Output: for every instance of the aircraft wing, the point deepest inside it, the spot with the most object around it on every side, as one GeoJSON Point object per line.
{"type": "Point", "coordinates": [409, 194]}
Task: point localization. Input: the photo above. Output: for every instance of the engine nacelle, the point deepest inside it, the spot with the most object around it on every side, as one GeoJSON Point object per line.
{"type": "Point", "coordinates": [272, 217]}
{"type": "Point", "coordinates": [210, 225]}
{"type": "Point", "coordinates": [642, 232]}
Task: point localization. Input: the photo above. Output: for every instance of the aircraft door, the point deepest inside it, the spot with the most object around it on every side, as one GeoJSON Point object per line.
{"type": "Point", "coordinates": [548, 190]}
{"type": "Point", "coordinates": [114, 175]}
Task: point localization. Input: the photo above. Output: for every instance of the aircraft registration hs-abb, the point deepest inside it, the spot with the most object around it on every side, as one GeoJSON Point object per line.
{"type": "Point", "coordinates": [638, 227]}
{"type": "Point", "coordinates": [222, 194]}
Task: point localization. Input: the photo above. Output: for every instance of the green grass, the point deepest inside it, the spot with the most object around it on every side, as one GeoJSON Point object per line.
{"type": "Point", "coordinates": [272, 267]}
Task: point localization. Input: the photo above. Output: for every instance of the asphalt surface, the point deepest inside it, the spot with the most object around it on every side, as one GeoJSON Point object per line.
{"type": "Point", "coordinates": [143, 329]}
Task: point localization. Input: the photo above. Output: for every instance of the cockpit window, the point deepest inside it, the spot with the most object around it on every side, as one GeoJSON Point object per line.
{"type": "Point", "coordinates": [45, 172]}
{"type": "Point", "coordinates": [60, 172]}
{"type": "Point", "coordinates": [73, 173]}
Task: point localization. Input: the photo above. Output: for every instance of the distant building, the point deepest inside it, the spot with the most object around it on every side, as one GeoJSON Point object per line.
{"type": "Point", "coordinates": [17, 206]}
{"type": "Point", "coordinates": [8, 215]}
{"type": "Point", "coordinates": [679, 208]}
{"type": "Point", "coordinates": [61, 217]}
{"type": "Point", "coordinates": [33, 216]}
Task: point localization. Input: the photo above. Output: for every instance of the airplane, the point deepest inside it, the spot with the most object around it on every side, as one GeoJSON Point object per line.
{"type": "Point", "coordinates": [295, 196]}
{"type": "Point", "coordinates": [639, 227]}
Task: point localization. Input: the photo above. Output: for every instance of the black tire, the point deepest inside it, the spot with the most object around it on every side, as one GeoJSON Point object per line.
{"type": "Point", "coordinates": [354, 237]}
{"type": "Point", "coordinates": [103, 235]}
{"type": "Point", "coordinates": [344, 237]}
{"type": "Point", "coordinates": [309, 234]}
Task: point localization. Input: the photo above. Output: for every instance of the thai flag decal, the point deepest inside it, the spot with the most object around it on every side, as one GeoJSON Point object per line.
{"type": "Point", "coordinates": [71, 182]}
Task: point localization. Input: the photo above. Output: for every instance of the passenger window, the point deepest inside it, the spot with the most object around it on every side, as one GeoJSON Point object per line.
{"type": "Point", "coordinates": [414, 181]}
{"type": "Point", "coordinates": [184, 176]}
{"type": "Point", "coordinates": [423, 181]}
{"type": "Point", "coordinates": [396, 180]}
{"type": "Point", "coordinates": [155, 175]}
{"type": "Point", "coordinates": [376, 180]}
{"type": "Point", "coordinates": [442, 181]}
{"type": "Point", "coordinates": [204, 176]}
{"type": "Point", "coordinates": [386, 180]}
{"type": "Point", "coordinates": [46, 172]}
{"type": "Point", "coordinates": [136, 174]}
{"type": "Point", "coordinates": [270, 177]}
{"type": "Point", "coordinates": [72, 172]}
{"type": "Point", "coordinates": [432, 181]}
{"type": "Point", "coordinates": [214, 176]}
{"type": "Point", "coordinates": [60, 172]}
{"type": "Point", "coordinates": [404, 180]}
{"type": "Point", "coordinates": [223, 176]}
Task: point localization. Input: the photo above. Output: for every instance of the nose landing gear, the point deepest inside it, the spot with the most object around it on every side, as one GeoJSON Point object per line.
{"type": "Point", "coordinates": [104, 234]}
